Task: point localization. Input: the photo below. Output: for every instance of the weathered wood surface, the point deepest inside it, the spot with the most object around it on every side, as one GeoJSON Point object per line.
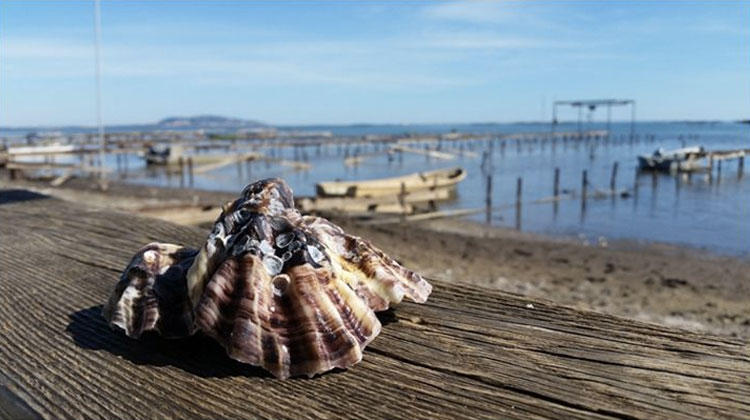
{"type": "Point", "coordinates": [467, 353]}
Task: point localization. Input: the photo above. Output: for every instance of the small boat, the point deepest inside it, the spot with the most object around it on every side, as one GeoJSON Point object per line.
{"type": "Point", "coordinates": [399, 203]}
{"type": "Point", "coordinates": [53, 148]}
{"type": "Point", "coordinates": [684, 159]}
{"type": "Point", "coordinates": [157, 154]}
{"type": "Point", "coordinates": [432, 180]}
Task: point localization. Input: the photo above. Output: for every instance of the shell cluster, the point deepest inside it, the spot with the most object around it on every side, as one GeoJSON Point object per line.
{"type": "Point", "coordinates": [293, 294]}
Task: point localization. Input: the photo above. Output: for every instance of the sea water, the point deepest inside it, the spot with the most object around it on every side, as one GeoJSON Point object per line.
{"type": "Point", "coordinates": [713, 214]}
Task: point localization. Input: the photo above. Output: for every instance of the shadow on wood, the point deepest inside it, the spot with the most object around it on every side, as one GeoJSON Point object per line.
{"type": "Point", "coordinates": [14, 196]}
{"type": "Point", "coordinates": [197, 355]}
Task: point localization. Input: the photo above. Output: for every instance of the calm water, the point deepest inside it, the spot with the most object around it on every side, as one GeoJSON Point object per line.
{"type": "Point", "coordinates": [711, 215]}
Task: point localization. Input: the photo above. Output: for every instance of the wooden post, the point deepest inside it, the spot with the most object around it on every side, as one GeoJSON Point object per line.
{"type": "Point", "coordinates": [584, 184]}
{"type": "Point", "coordinates": [402, 201]}
{"type": "Point", "coordinates": [519, 187]}
{"type": "Point", "coordinates": [740, 167]}
{"type": "Point", "coordinates": [613, 178]}
{"type": "Point", "coordinates": [182, 172]}
{"type": "Point", "coordinates": [190, 170]}
{"type": "Point", "coordinates": [718, 172]}
{"type": "Point", "coordinates": [556, 184]}
{"type": "Point", "coordinates": [488, 200]}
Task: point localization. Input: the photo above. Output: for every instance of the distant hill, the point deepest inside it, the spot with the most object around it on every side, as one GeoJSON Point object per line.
{"type": "Point", "coordinates": [208, 121]}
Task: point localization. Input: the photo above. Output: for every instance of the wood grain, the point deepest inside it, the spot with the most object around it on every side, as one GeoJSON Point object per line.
{"type": "Point", "coordinates": [467, 353]}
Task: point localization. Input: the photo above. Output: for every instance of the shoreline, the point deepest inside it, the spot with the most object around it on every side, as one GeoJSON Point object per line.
{"type": "Point", "coordinates": [668, 284]}
{"type": "Point", "coordinates": [657, 283]}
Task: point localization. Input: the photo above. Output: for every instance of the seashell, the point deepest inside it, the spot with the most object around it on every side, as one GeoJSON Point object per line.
{"type": "Point", "coordinates": [302, 308]}
{"type": "Point", "coordinates": [151, 294]}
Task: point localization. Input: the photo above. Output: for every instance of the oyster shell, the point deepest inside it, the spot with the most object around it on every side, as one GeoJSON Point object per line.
{"type": "Point", "coordinates": [295, 295]}
{"type": "Point", "coordinates": [151, 294]}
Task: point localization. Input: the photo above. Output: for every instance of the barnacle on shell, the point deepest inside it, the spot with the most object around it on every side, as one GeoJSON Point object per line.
{"type": "Point", "coordinates": [295, 295]}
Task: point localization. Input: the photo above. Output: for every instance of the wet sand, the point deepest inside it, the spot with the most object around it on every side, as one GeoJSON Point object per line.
{"type": "Point", "coordinates": [659, 283]}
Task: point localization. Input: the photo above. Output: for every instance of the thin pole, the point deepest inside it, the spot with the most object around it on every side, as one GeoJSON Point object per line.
{"type": "Point", "coordinates": [584, 185]}
{"type": "Point", "coordinates": [740, 166]}
{"type": "Point", "coordinates": [613, 178]}
{"type": "Point", "coordinates": [488, 200]}
{"type": "Point", "coordinates": [98, 71]}
{"type": "Point", "coordinates": [190, 169]}
{"type": "Point", "coordinates": [519, 187]}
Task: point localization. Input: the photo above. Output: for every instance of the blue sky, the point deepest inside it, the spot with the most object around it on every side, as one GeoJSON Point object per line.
{"type": "Point", "coordinates": [376, 62]}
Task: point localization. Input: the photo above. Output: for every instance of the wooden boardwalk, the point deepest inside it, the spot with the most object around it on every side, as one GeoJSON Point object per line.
{"type": "Point", "coordinates": [468, 353]}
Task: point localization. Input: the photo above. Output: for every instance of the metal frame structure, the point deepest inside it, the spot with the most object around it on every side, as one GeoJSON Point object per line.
{"type": "Point", "coordinates": [592, 105]}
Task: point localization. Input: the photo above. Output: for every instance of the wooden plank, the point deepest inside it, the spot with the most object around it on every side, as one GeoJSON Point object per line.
{"type": "Point", "coordinates": [467, 353]}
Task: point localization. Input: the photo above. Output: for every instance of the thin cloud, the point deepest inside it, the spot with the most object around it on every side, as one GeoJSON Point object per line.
{"type": "Point", "coordinates": [471, 11]}
{"type": "Point", "coordinates": [469, 40]}
{"type": "Point", "coordinates": [44, 49]}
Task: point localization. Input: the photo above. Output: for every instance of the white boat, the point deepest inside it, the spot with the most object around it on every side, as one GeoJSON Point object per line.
{"type": "Point", "coordinates": [431, 180]}
{"type": "Point", "coordinates": [42, 150]}
{"type": "Point", "coordinates": [683, 159]}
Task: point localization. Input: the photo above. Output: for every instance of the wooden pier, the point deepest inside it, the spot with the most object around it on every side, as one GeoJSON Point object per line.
{"type": "Point", "coordinates": [468, 353]}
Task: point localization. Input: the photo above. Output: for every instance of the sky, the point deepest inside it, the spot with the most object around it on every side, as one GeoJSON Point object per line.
{"type": "Point", "coordinates": [371, 62]}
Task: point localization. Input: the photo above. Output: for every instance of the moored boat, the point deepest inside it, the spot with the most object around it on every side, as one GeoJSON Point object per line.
{"type": "Point", "coordinates": [400, 203]}
{"type": "Point", "coordinates": [42, 149]}
{"type": "Point", "coordinates": [683, 159]}
{"type": "Point", "coordinates": [431, 180]}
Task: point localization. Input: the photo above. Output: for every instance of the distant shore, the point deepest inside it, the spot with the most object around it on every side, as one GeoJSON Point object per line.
{"type": "Point", "coordinates": [665, 284]}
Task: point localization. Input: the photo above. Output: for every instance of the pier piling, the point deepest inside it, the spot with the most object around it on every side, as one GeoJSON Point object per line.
{"type": "Point", "coordinates": [718, 173]}
{"type": "Point", "coordinates": [613, 178]}
{"type": "Point", "coordinates": [190, 170]}
{"type": "Point", "coordinates": [584, 184]}
{"type": "Point", "coordinates": [182, 172]}
{"type": "Point", "coordinates": [488, 199]}
{"type": "Point", "coordinates": [740, 166]}
{"type": "Point", "coordinates": [519, 190]}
